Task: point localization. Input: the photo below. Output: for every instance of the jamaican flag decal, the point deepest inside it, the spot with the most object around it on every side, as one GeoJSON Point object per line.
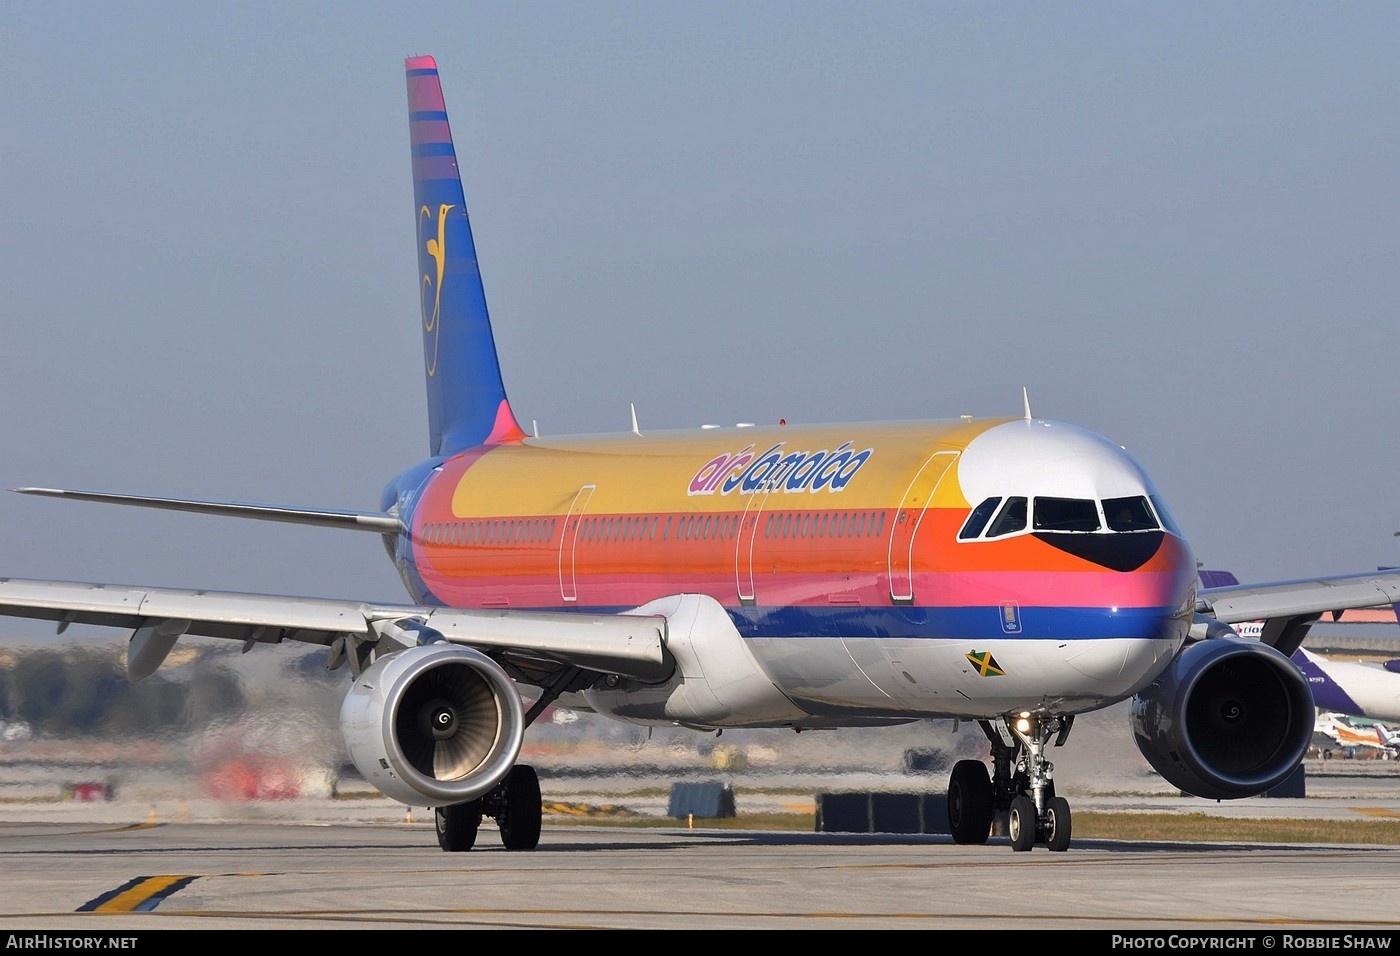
{"type": "Point", "coordinates": [985, 663]}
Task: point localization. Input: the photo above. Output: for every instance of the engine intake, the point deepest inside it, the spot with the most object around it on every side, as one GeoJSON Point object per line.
{"type": "Point", "coordinates": [433, 725]}
{"type": "Point", "coordinates": [1229, 718]}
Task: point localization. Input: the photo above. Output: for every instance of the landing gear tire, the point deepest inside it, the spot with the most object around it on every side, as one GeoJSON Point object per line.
{"type": "Point", "coordinates": [1020, 823]}
{"type": "Point", "coordinates": [1057, 824]}
{"type": "Point", "coordinates": [970, 807]}
{"type": "Point", "coordinates": [457, 825]}
{"type": "Point", "coordinates": [521, 809]}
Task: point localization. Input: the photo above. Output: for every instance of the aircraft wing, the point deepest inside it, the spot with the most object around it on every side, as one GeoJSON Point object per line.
{"type": "Point", "coordinates": [534, 645]}
{"type": "Point", "coordinates": [1289, 608]}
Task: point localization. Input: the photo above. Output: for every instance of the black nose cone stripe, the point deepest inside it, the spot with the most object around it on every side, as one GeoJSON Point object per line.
{"type": "Point", "coordinates": [1118, 552]}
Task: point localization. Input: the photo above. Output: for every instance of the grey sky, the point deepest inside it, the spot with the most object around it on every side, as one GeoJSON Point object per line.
{"type": "Point", "coordinates": [1176, 224]}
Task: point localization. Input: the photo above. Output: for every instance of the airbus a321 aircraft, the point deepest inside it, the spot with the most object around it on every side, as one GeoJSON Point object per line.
{"type": "Point", "coordinates": [1012, 571]}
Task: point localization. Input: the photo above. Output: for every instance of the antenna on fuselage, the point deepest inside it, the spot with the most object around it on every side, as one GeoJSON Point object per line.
{"type": "Point", "coordinates": [1026, 400]}
{"type": "Point", "coordinates": [535, 426]}
{"type": "Point", "coordinates": [635, 430]}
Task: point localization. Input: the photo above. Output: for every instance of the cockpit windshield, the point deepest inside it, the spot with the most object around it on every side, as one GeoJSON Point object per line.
{"type": "Point", "coordinates": [1045, 514]}
{"type": "Point", "coordinates": [1066, 514]}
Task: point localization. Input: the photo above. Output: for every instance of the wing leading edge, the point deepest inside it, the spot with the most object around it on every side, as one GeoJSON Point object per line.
{"type": "Point", "coordinates": [536, 643]}
{"type": "Point", "coordinates": [1289, 608]}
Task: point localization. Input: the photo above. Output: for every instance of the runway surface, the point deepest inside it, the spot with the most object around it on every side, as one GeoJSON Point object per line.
{"type": "Point", "coordinates": [118, 877]}
{"type": "Point", "coordinates": [147, 859]}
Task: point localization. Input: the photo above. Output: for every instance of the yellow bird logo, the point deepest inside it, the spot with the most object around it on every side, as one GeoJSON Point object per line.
{"type": "Point", "coordinates": [436, 248]}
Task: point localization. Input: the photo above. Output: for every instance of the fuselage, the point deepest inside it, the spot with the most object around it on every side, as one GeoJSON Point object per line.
{"type": "Point", "coordinates": [1352, 687]}
{"type": "Point", "coordinates": [904, 569]}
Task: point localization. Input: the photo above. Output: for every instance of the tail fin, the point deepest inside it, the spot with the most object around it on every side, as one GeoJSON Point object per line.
{"type": "Point", "coordinates": [1217, 579]}
{"type": "Point", "coordinates": [467, 404]}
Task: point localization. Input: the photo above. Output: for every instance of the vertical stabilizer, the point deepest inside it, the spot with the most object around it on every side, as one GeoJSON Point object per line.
{"type": "Point", "coordinates": [467, 404]}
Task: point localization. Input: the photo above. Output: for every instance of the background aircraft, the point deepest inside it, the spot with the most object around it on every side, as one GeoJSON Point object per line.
{"type": "Point", "coordinates": [1350, 734]}
{"type": "Point", "coordinates": [1013, 571]}
{"type": "Point", "coordinates": [1357, 688]}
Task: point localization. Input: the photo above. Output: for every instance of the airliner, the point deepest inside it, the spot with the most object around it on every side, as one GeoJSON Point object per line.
{"type": "Point", "coordinates": [1348, 734]}
{"type": "Point", "coordinates": [1013, 571]}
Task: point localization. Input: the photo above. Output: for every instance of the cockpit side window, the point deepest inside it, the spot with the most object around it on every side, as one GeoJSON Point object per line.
{"type": "Point", "coordinates": [1012, 518]}
{"type": "Point", "coordinates": [1066, 514]}
{"type": "Point", "coordinates": [1165, 516]}
{"type": "Point", "coordinates": [1129, 514]}
{"type": "Point", "coordinates": [978, 519]}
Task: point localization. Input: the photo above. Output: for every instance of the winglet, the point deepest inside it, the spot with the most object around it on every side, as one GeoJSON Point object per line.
{"type": "Point", "coordinates": [467, 404]}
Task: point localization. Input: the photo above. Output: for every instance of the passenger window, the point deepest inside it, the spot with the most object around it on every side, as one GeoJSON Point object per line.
{"type": "Point", "coordinates": [1128, 514]}
{"type": "Point", "coordinates": [1011, 519]}
{"type": "Point", "coordinates": [978, 519]}
{"type": "Point", "coordinates": [1066, 514]}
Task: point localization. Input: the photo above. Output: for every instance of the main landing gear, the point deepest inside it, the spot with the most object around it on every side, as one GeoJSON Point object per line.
{"type": "Point", "coordinates": [514, 803]}
{"type": "Point", "coordinates": [1020, 786]}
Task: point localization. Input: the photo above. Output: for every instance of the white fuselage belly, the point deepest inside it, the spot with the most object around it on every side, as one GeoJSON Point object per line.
{"type": "Point", "coordinates": [928, 678]}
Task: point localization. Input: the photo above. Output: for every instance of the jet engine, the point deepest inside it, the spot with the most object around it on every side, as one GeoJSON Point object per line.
{"type": "Point", "coordinates": [1230, 717]}
{"type": "Point", "coordinates": [433, 725]}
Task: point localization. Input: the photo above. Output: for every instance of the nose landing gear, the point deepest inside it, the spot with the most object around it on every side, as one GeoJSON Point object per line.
{"type": "Point", "coordinates": [1021, 785]}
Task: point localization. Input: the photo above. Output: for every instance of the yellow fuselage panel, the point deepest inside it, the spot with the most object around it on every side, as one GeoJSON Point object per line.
{"type": "Point", "coordinates": [850, 467]}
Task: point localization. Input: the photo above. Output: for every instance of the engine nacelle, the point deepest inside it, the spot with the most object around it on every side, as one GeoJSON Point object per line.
{"type": "Point", "coordinates": [433, 725]}
{"type": "Point", "coordinates": [1229, 718]}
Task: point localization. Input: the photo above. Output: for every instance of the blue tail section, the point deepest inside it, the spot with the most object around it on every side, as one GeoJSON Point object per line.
{"type": "Point", "coordinates": [1217, 579]}
{"type": "Point", "coordinates": [467, 404]}
{"type": "Point", "coordinates": [1327, 693]}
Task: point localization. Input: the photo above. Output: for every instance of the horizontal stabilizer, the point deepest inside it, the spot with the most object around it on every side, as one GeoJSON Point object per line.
{"type": "Point", "coordinates": [379, 521]}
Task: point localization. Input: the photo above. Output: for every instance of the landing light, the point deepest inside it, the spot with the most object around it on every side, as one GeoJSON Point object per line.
{"type": "Point", "coordinates": [1023, 723]}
